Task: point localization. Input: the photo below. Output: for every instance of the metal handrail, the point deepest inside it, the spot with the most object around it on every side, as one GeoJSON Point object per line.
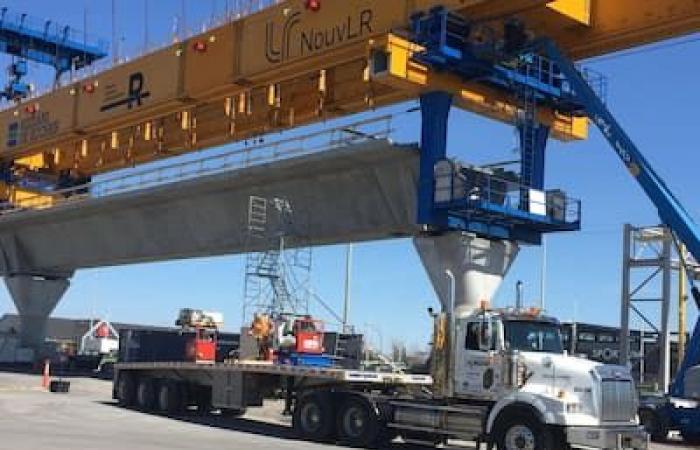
{"type": "Point", "coordinates": [475, 187]}
{"type": "Point", "coordinates": [240, 10]}
{"type": "Point", "coordinates": [376, 128]}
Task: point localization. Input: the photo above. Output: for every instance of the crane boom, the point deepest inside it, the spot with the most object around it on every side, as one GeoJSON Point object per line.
{"type": "Point", "coordinates": [671, 211]}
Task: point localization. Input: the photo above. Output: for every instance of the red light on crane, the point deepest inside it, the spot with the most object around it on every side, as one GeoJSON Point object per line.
{"type": "Point", "coordinates": [200, 46]}
{"type": "Point", "coordinates": [313, 5]}
{"type": "Point", "coordinates": [89, 88]}
{"type": "Point", "coordinates": [32, 109]}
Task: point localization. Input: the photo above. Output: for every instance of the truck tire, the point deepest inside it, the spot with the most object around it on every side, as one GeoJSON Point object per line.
{"type": "Point", "coordinates": [203, 401]}
{"type": "Point", "coordinates": [357, 423]}
{"type": "Point", "coordinates": [169, 399]}
{"type": "Point", "coordinates": [146, 394]}
{"type": "Point", "coordinates": [126, 390]}
{"type": "Point", "coordinates": [653, 424]}
{"type": "Point", "coordinates": [314, 417]}
{"type": "Point", "coordinates": [517, 430]}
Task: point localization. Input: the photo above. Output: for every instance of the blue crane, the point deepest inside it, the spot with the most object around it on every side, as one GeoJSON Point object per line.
{"type": "Point", "coordinates": [44, 42]}
{"type": "Point", "coordinates": [537, 73]}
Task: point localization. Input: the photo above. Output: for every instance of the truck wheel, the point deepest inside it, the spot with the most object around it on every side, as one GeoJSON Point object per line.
{"type": "Point", "coordinates": [654, 425]}
{"type": "Point", "coordinates": [518, 431]}
{"type": "Point", "coordinates": [313, 417]}
{"type": "Point", "coordinates": [169, 397]}
{"type": "Point", "coordinates": [692, 438]}
{"type": "Point", "coordinates": [357, 424]}
{"type": "Point", "coordinates": [203, 402]}
{"type": "Point", "coordinates": [126, 390]}
{"type": "Point", "coordinates": [146, 394]}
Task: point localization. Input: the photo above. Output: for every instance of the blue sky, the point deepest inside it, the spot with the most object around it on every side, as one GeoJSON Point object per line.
{"type": "Point", "coordinates": [654, 94]}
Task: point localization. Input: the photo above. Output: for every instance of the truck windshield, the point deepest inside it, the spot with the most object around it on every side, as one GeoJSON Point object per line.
{"type": "Point", "coordinates": [526, 336]}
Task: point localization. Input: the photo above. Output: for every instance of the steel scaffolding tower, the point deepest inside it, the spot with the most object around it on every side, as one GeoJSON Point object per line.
{"type": "Point", "coordinates": [276, 278]}
{"type": "Point", "coordinates": [650, 257]}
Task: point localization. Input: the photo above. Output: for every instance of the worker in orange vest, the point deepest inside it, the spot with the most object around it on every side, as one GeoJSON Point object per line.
{"type": "Point", "coordinates": [261, 330]}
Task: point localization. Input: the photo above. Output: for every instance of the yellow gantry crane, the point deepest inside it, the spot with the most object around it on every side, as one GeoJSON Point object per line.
{"type": "Point", "coordinates": [293, 64]}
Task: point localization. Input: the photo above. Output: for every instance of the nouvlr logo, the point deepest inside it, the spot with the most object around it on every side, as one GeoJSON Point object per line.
{"type": "Point", "coordinates": [294, 41]}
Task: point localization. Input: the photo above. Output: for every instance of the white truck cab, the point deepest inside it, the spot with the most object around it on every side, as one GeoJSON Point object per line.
{"type": "Point", "coordinates": [514, 361]}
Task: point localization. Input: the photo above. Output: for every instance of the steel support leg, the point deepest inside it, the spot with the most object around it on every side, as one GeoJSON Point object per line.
{"type": "Point", "coordinates": [435, 109]}
{"type": "Point", "coordinates": [664, 376]}
{"type": "Point", "coordinates": [626, 301]}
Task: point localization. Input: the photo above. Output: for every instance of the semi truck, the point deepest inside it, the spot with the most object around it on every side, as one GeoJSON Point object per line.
{"type": "Point", "coordinates": [499, 376]}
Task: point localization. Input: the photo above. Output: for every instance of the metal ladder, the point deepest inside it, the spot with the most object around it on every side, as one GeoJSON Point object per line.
{"type": "Point", "coordinates": [257, 216]}
{"type": "Point", "coordinates": [527, 122]}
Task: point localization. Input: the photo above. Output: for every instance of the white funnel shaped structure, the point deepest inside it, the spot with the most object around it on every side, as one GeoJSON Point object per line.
{"type": "Point", "coordinates": [477, 264]}
{"type": "Point", "coordinates": [35, 299]}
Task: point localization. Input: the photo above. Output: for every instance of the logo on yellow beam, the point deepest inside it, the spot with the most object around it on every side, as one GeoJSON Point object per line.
{"type": "Point", "coordinates": [292, 40]}
{"type": "Point", "coordinates": [135, 94]}
{"type": "Point", "coordinates": [31, 129]}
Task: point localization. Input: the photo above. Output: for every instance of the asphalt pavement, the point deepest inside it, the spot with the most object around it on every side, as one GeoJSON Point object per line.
{"type": "Point", "coordinates": [87, 418]}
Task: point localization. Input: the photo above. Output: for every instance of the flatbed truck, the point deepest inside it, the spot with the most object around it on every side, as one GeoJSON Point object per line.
{"type": "Point", "coordinates": [514, 387]}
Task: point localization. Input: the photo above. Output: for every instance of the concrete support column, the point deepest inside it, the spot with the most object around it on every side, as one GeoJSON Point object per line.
{"type": "Point", "coordinates": [477, 264]}
{"type": "Point", "coordinates": [35, 297]}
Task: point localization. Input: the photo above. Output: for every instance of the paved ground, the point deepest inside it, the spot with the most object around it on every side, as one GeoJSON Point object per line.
{"type": "Point", "coordinates": [86, 418]}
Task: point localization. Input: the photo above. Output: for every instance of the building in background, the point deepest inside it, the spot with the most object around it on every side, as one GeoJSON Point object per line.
{"type": "Point", "coordinates": [602, 343]}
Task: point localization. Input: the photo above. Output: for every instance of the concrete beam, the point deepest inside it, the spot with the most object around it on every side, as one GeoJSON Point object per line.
{"type": "Point", "coordinates": [362, 192]}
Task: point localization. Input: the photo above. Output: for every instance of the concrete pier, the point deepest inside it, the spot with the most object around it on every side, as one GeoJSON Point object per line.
{"type": "Point", "coordinates": [35, 298]}
{"type": "Point", "coordinates": [477, 264]}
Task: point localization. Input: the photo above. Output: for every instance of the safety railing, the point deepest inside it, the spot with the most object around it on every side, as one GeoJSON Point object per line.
{"type": "Point", "coordinates": [49, 30]}
{"type": "Point", "coordinates": [235, 10]}
{"type": "Point", "coordinates": [481, 193]}
{"type": "Point", "coordinates": [242, 156]}
{"type": "Point", "coordinates": [545, 73]}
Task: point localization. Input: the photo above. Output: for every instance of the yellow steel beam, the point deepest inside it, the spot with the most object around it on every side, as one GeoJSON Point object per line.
{"type": "Point", "coordinates": [25, 198]}
{"type": "Point", "coordinates": [624, 24]}
{"type": "Point", "coordinates": [401, 72]}
{"type": "Point", "coordinates": [577, 10]}
{"type": "Point", "coordinates": [287, 66]}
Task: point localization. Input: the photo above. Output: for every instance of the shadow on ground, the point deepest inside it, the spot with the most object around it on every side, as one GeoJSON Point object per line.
{"type": "Point", "coordinates": [250, 426]}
